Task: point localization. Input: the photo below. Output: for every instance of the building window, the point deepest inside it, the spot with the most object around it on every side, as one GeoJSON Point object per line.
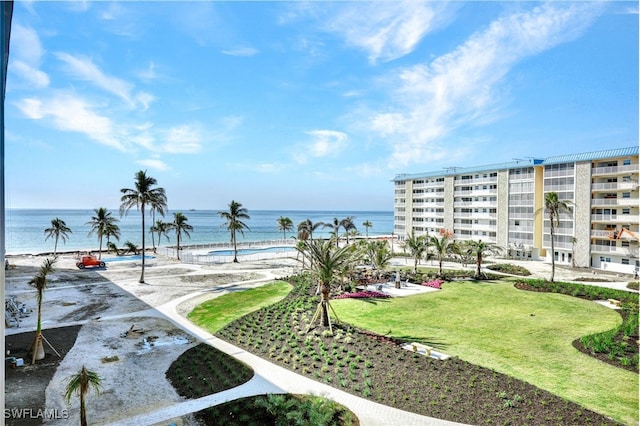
{"type": "Point", "coordinates": [626, 195]}
{"type": "Point", "coordinates": [626, 162]}
{"type": "Point", "coordinates": [626, 211]}
{"type": "Point", "coordinates": [625, 261]}
{"type": "Point", "coordinates": [625, 243]}
{"type": "Point", "coordinates": [517, 223]}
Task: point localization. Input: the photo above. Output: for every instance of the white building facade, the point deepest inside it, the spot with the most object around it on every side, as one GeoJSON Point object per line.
{"type": "Point", "coordinates": [504, 204]}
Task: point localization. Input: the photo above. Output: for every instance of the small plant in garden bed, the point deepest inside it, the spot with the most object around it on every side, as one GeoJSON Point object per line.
{"type": "Point", "coordinates": [633, 285]}
{"type": "Point", "coordinates": [363, 295]}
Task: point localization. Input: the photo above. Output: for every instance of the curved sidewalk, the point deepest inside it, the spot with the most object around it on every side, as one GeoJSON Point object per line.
{"type": "Point", "coordinates": [271, 378]}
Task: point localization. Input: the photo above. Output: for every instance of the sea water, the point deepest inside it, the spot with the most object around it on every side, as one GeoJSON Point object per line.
{"type": "Point", "coordinates": [24, 228]}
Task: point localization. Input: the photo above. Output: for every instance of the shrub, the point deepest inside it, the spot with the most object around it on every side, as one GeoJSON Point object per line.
{"type": "Point", "coordinates": [508, 268]}
{"type": "Point", "coordinates": [363, 295]}
{"type": "Point", "coordinates": [434, 283]}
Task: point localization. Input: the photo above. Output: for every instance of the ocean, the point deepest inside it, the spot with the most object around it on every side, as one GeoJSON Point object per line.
{"type": "Point", "coordinates": [24, 228]}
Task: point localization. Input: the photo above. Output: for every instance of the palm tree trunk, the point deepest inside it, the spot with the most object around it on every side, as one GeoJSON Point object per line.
{"type": "Point", "coordinates": [100, 248]}
{"type": "Point", "coordinates": [141, 281]}
{"type": "Point", "coordinates": [37, 348]}
{"type": "Point", "coordinates": [83, 411]}
{"type": "Point", "coordinates": [553, 251]}
{"type": "Point", "coordinates": [178, 244]}
{"type": "Point", "coordinates": [478, 265]}
{"type": "Point", "coordinates": [235, 246]}
{"type": "Point", "coordinates": [325, 305]}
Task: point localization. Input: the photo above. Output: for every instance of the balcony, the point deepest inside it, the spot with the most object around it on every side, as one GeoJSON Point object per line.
{"type": "Point", "coordinates": [614, 186]}
{"type": "Point", "coordinates": [631, 251]}
{"type": "Point", "coordinates": [631, 202]}
{"type": "Point", "coordinates": [614, 218]}
{"type": "Point", "coordinates": [603, 171]}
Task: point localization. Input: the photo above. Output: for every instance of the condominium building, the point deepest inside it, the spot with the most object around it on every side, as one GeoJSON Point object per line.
{"type": "Point", "coordinates": [504, 204]}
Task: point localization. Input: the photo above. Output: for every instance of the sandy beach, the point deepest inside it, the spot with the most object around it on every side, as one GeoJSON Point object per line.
{"type": "Point", "coordinates": [86, 314]}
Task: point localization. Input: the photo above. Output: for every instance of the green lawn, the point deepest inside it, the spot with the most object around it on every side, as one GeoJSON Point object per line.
{"type": "Point", "coordinates": [524, 334]}
{"type": "Point", "coordinates": [217, 313]}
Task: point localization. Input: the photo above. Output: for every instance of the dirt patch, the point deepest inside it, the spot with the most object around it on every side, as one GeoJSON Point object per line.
{"type": "Point", "coordinates": [25, 386]}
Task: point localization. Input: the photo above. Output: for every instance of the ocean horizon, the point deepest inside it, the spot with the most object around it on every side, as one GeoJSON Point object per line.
{"type": "Point", "coordinates": [24, 228]}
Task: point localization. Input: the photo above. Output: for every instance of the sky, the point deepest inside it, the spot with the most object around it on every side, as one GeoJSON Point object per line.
{"type": "Point", "coordinates": [304, 105]}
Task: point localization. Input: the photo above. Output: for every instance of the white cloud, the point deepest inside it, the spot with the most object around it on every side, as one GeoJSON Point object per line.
{"type": "Point", "coordinates": [145, 99]}
{"type": "Point", "coordinates": [31, 75]}
{"type": "Point", "coordinates": [462, 87]}
{"type": "Point", "coordinates": [70, 113]}
{"type": "Point", "coordinates": [185, 139]}
{"type": "Point", "coordinates": [322, 143]}
{"type": "Point", "coordinates": [155, 164]}
{"type": "Point", "coordinates": [240, 51]}
{"type": "Point", "coordinates": [386, 30]}
{"type": "Point", "coordinates": [84, 69]}
{"type": "Point", "coordinates": [26, 44]}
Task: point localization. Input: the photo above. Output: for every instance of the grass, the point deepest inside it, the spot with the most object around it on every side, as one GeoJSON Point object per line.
{"type": "Point", "coordinates": [523, 334]}
{"type": "Point", "coordinates": [217, 313]}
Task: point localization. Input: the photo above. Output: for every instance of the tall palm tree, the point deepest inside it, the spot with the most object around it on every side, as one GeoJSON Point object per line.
{"type": "Point", "coordinates": [379, 254]}
{"type": "Point", "coordinates": [348, 226]}
{"type": "Point", "coordinates": [417, 246]}
{"type": "Point", "coordinates": [309, 227]}
{"type": "Point", "coordinates": [234, 223]}
{"type": "Point", "coordinates": [111, 229]}
{"type": "Point", "coordinates": [367, 224]}
{"type": "Point", "coordinates": [40, 282]}
{"type": "Point", "coordinates": [145, 194]}
{"type": "Point", "coordinates": [441, 247]}
{"type": "Point", "coordinates": [480, 249]}
{"type": "Point", "coordinates": [58, 231]}
{"type": "Point", "coordinates": [554, 207]}
{"type": "Point", "coordinates": [181, 226]}
{"type": "Point", "coordinates": [335, 229]}
{"type": "Point", "coordinates": [80, 384]}
{"type": "Point", "coordinates": [162, 229]}
{"type": "Point", "coordinates": [284, 224]}
{"type": "Point", "coordinates": [100, 223]}
{"type": "Point", "coordinates": [327, 261]}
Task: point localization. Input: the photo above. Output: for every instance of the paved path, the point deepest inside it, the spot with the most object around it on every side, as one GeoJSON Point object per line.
{"type": "Point", "coordinates": [270, 378]}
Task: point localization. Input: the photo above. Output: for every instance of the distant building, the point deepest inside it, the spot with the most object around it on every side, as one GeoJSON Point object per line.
{"type": "Point", "coordinates": [504, 204]}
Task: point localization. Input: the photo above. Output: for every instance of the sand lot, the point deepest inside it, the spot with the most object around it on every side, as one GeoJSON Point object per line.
{"type": "Point", "coordinates": [85, 315]}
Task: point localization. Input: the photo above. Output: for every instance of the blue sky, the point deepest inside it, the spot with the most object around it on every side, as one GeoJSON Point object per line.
{"type": "Point", "coordinates": [304, 105]}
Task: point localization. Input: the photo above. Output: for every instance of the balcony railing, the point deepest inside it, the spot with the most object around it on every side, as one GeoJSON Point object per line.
{"type": "Point", "coordinates": [614, 186]}
{"type": "Point", "coordinates": [598, 171]}
{"type": "Point", "coordinates": [615, 202]}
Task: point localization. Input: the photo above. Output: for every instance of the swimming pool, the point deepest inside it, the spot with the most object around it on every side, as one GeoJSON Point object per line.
{"type": "Point", "coordinates": [245, 251]}
{"type": "Point", "coordinates": [127, 258]}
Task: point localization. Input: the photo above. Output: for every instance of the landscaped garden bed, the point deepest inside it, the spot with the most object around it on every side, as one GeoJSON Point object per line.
{"type": "Point", "coordinates": [376, 367]}
{"type": "Point", "coordinates": [619, 346]}
{"type": "Point", "coordinates": [508, 268]}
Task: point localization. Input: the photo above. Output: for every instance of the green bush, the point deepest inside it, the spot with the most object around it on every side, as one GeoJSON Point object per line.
{"type": "Point", "coordinates": [508, 268]}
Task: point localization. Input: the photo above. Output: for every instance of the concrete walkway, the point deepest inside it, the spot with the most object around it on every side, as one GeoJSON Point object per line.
{"type": "Point", "coordinates": [268, 378]}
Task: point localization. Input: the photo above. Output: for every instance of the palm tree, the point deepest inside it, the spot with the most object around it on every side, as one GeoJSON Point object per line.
{"type": "Point", "coordinates": [327, 261]}
{"type": "Point", "coordinates": [39, 281]}
{"type": "Point", "coordinates": [58, 230]}
{"type": "Point", "coordinates": [308, 226]}
{"type": "Point", "coordinates": [335, 229]}
{"type": "Point", "coordinates": [367, 224]}
{"type": "Point", "coordinates": [379, 254]}
{"type": "Point", "coordinates": [111, 229]}
{"type": "Point", "coordinates": [131, 247]}
{"type": "Point", "coordinates": [144, 194]}
{"type": "Point", "coordinates": [417, 246]}
{"type": "Point", "coordinates": [181, 226]}
{"type": "Point", "coordinates": [554, 207]}
{"type": "Point", "coordinates": [100, 224]}
{"type": "Point", "coordinates": [81, 383]}
{"type": "Point", "coordinates": [161, 228]}
{"type": "Point", "coordinates": [348, 226]}
{"type": "Point", "coordinates": [480, 249]}
{"type": "Point", "coordinates": [284, 224]}
{"type": "Point", "coordinates": [441, 247]}
{"type": "Point", "coordinates": [234, 223]}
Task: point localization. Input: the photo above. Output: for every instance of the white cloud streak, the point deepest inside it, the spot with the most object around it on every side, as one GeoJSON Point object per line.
{"type": "Point", "coordinates": [323, 143]}
{"type": "Point", "coordinates": [461, 88]}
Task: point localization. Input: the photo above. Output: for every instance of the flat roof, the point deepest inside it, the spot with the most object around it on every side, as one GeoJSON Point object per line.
{"type": "Point", "coordinates": [569, 158]}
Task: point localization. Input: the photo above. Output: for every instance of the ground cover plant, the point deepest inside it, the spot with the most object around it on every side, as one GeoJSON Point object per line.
{"type": "Point", "coordinates": [617, 346]}
{"type": "Point", "coordinates": [281, 410]}
{"type": "Point", "coordinates": [508, 268]}
{"type": "Point", "coordinates": [203, 370]}
{"type": "Point", "coordinates": [374, 366]}
{"type": "Point", "coordinates": [633, 285]}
